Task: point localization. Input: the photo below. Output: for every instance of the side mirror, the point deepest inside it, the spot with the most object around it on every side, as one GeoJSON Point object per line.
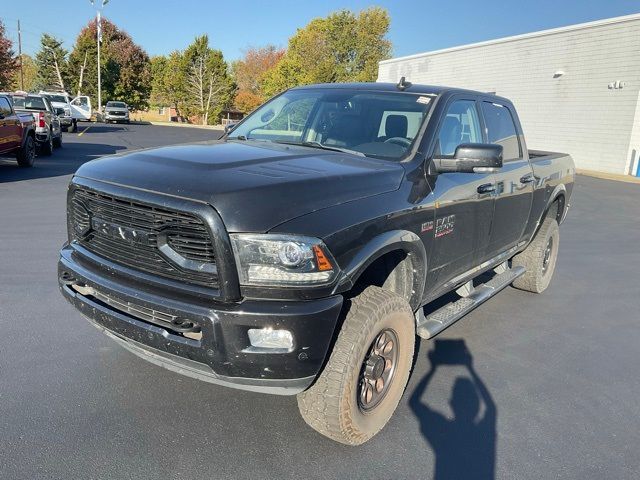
{"type": "Point", "coordinates": [228, 127]}
{"type": "Point", "coordinates": [471, 158]}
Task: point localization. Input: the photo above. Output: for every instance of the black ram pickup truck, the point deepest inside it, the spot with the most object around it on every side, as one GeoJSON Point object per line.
{"type": "Point", "coordinates": [302, 253]}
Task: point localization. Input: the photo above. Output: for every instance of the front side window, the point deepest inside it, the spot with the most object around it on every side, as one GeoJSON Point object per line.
{"type": "Point", "coordinates": [377, 124]}
{"type": "Point", "coordinates": [501, 130]}
{"type": "Point", "coordinates": [5, 108]}
{"type": "Point", "coordinates": [460, 125]}
{"type": "Point", "coordinates": [80, 102]}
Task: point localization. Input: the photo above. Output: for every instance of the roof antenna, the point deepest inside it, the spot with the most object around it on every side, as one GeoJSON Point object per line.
{"type": "Point", "coordinates": [403, 84]}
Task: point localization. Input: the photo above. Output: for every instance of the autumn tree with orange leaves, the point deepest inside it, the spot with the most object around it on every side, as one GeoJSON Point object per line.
{"type": "Point", "coordinates": [249, 73]}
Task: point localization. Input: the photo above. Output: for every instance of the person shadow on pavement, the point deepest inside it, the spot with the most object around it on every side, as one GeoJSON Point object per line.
{"type": "Point", "coordinates": [464, 446]}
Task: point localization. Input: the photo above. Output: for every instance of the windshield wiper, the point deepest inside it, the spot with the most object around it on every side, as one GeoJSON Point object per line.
{"type": "Point", "coordinates": [322, 146]}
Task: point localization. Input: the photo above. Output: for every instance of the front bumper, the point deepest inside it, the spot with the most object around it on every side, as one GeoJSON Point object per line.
{"type": "Point", "coordinates": [111, 117]}
{"type": "Point", "coordinates": [66, 121]}
{"type": "Point", "coordinates": [220, 355]}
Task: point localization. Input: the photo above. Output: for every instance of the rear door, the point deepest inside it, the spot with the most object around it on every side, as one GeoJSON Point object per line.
{"type": "Point", "coordinates": [514, 181]}
{"type": "Point", "coordinates": [81, 108]}
{"type": "Point", "coordinates": [463, 201]}
{"type": "Point", "coordinates": [10, 129]}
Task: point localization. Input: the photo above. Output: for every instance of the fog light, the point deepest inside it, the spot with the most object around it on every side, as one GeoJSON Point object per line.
{"type": "Point", "coordinates": [270, 339]}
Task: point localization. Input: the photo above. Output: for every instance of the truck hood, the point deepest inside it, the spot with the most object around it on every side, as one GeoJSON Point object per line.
{"type": "Point", "coordinates": [254, 186]}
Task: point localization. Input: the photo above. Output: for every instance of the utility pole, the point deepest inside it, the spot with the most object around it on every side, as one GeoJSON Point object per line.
{"type": "Point", "coordinates": [99, 28]}
{"type": "Point", "coordinates": [20, 55]}
{"type": "Point", "coordinates": [99, 35]}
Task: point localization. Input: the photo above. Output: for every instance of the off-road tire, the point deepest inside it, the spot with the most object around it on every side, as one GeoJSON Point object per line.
{"type": "Point", "coordinates": [331, 405]}
{"type": "Point", "coordinates": [46, 148]}
{"type": "Point", "coordinates": [536, 279]}
{"type": "Point", "coordinates": [57, 142]}
{"type": "Point", "coordinates": [27, 154]}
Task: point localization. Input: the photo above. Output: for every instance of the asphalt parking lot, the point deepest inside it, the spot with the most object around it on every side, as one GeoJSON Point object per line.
{"type": "Point", "coordinates": [553, 392]}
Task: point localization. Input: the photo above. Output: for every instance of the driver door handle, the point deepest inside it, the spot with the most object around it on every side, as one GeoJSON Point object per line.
{"type": "Point", "coordinates": [528, 178]}
{"type": "Point", "coordinates": [486, 188]}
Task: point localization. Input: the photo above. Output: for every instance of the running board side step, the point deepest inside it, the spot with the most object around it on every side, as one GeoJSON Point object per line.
{"type": "Point", "coordinates": [430, 325]}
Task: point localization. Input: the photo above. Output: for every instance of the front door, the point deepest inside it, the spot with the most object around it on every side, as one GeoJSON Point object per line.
{"type": "Point", "coordinates": [514, 181]}
{"type": "Point", "coordinates": [10, 131]}
{"type": "Point", "coordinates": [81, 108]}
{"type": "Point", "coordinates": [463, 201]}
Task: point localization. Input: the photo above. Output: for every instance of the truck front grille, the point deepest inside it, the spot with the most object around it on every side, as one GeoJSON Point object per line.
{"type": "Point", "coordinates": [127, 233]}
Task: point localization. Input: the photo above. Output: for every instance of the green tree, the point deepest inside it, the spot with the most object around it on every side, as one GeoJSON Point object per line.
{"type": "Point", "coordinates": [208, 85]}
{"type": "Point", "coordinates": [29, 73]}
{"type": "Point", "coordinates": [125, 66]}
{"type": "Point", "coordinates": [8, 62]}
{"type": "Point", "coordinates": [342, 47]}
{"type": "Point", "coordinates": [51, 61]}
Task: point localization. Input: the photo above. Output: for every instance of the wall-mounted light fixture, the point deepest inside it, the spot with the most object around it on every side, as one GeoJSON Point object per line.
{"type": "Point", "coordinates": [558, 73]}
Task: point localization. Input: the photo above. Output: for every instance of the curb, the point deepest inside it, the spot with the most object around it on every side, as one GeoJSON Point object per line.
{"type": "Point", "coordinates": [609, 176]}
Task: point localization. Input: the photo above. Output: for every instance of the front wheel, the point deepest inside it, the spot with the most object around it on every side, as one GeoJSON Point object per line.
{"type": "Point", "coordinates": [539, 258]}
{"type": "Point", "coordinates": [365, 377]}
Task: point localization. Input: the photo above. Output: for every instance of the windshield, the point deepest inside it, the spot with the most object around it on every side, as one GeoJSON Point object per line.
{"type": "Point", "coordinates": [116, 104]}
{"type": "Point", "coordinates": [57, 98]}
{"type": "Point", "coordinates": [377, 124]}
{"type": "Point", "coordinates": [29, 103]}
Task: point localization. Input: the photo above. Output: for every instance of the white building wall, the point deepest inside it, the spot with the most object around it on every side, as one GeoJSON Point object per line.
{"type": "Point", "coordinates": [577, 112]}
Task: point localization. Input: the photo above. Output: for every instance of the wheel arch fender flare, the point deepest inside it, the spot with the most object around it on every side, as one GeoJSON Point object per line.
{"type": "Point", "coordinates": [394, 240]}
{"type": "Point", "coordinates": [559, 190]}
{"type": "Point", "coordinates": [30, 132]}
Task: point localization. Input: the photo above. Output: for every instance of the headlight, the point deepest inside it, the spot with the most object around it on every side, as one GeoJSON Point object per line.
{"type": "Point", "coordinates": [277, 260]}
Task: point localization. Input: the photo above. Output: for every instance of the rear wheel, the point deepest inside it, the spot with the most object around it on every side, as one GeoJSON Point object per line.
{"type": "Point", "coordinates": [57, 142]}
{"type": "Point", "coordinates": [539, 258]}
{"type": "Point", "coordinates": [364, 379]}
{"type": "Point", "coordinates": [46, 148]}
{"type": "Point", "coordinates": [27, 154]}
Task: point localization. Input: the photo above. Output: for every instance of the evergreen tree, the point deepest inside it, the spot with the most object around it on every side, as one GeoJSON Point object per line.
{"type": "Point", "coordinates": [51, 61]}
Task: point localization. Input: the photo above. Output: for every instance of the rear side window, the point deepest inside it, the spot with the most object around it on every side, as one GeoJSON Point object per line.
{"type": "Point", "coordinates": [501, 130]}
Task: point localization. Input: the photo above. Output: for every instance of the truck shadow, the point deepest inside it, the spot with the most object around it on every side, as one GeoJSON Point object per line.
{"type": "Point", "coordinates": [64, 161]}
{"type": "Point", "coordinates": [465, 445]}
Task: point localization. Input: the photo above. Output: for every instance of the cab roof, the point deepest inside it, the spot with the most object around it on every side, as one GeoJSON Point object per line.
{"type": "Point", "coordinates": [393, 87]}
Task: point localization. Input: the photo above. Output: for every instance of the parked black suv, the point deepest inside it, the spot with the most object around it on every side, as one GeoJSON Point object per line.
{"type": "Point", "coordinates": [300, 254]}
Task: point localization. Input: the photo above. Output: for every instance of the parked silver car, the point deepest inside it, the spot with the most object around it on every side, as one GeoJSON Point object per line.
{"type": "Point", "coordinates": [48, 129]}
{"type": "Point", "coordinates": [62, 103]}
{"type": "Point", "coordinates": [116, 112]}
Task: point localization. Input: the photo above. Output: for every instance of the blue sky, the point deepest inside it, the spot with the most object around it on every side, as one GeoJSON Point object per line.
{"type": "Point", "coordinates": [416, 25]}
